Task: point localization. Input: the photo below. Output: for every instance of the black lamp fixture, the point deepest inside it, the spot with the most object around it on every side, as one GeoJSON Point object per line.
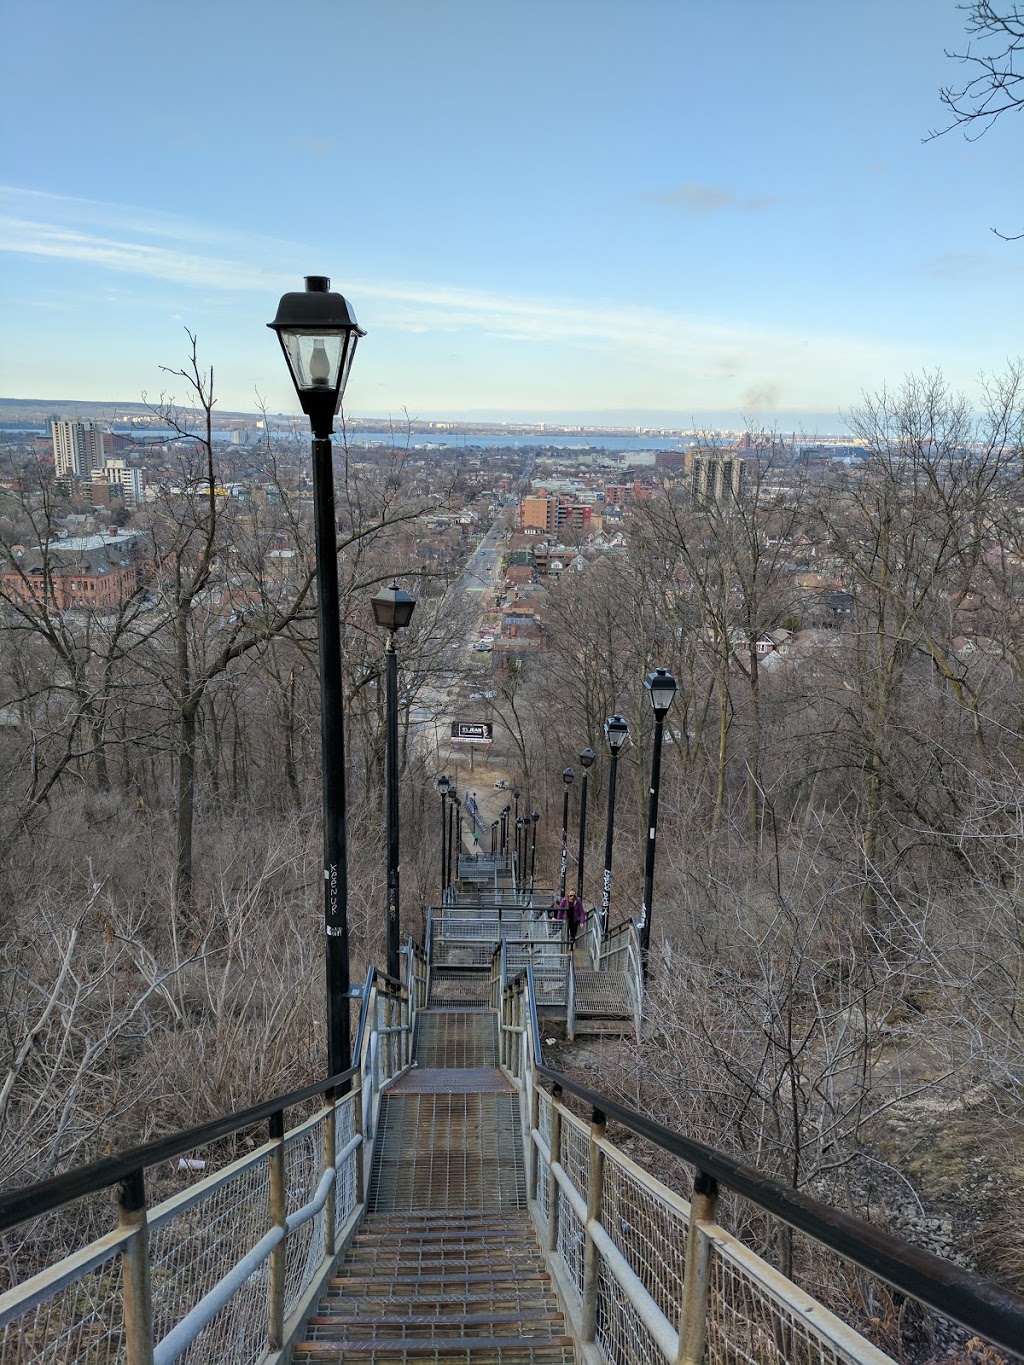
{"type": "Point", "coordinates": [392, 609]}
{"type": "Point", "coordinates": [661, 687]}
{"type": "Point", "coordinates": [318, 333]}
{"type": "Point", "coordinates": [616, 732]}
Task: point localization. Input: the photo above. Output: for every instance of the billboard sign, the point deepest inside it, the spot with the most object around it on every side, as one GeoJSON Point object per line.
{"type": "Point", "coordinates": [472, 732]}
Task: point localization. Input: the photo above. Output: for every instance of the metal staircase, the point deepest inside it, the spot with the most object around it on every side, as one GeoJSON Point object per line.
{"type": "Point", "coordinates": [447, 1198]}
{"type": "Point", "coordinates": [447, 1266]}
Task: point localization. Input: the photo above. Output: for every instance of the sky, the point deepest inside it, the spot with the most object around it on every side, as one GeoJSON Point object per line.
{"type": "Point", "coordinates": [660, 212]}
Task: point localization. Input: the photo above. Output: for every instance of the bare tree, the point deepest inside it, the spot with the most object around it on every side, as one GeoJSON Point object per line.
{"type": "Point", "coordinates": [995, 83]}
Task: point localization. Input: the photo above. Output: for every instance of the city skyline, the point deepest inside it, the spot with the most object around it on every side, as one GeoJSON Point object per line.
{"type": "Point", "coordinates": [569, 213]}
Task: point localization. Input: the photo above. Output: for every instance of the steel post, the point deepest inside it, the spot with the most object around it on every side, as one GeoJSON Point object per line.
{"type": "Point", "coordinates": [565, 836]}
{"type": "Point", "coordinates": [278, 1218]}
{"type": "Point", "coordinates": [606, 887]}
{"type": "Point", "coordinates": [332, 749]}
{"type": "Point", "coordinates": [394, 916]}
{"type": "Point", "coordinates": [595, 1197]}
{"type": "Point", "coordinates": [443, 848]}
{"type": "Point", "coordinates": [652, 830]}
{"type": "Point", "coordinates": [694, 1318]}
{"type": "Point", "coordinates": [583, 836]}
{"type": "Point", "coordinates": [137, 1286]}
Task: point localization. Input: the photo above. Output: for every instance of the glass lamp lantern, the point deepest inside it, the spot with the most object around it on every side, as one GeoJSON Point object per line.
{"type": "Point", "coordinates": [393, 607]}
{"type": "Point", "coordinates": [616, 732]}
{"type": "Point", "coordinates": [318, 333]}
{"type": "Point", "coordinates": [661, 686]}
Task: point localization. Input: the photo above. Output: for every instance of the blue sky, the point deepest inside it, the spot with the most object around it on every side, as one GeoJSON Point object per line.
{"type": "Point", "coordinates": [565, 209]}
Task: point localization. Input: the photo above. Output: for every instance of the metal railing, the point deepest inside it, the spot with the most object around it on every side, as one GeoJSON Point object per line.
{"type": "Point", "coordinates": [550, 965]}
{"type": "Point", "coordinates": [229, 1267]}
{"type": "Point", "coordinates": [647, 1275]}
{"type": "Point", "coordinates": [620, 952]}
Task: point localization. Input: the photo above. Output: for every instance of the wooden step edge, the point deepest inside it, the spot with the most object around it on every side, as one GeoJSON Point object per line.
{"type": "Point", "coordinates": [497, 1305]}
{"type": "Point", "coordinates": [482, 1231]}
{"type": "Point", "coordinates": [429, 1346]}
{"type": "Point", "coordinates": [441, 1320]}
{"type": "Point", "coordinates": [531, 1277]}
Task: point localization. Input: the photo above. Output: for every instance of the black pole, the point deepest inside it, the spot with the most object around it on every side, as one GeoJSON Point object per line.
{"type": "Point", "coordinates": [494, 830]}
{"type": "Point", "coordinates": [652, 826]}
{"type": "Point", "coordinates": [565, 838]}
{"type": "Point", "coordinates": [606, 889]}
{"type": "Point", "coordinates": [583, 836]}
{"type": "Point", "coordinates": [332, 750]}
{"type": "Point", "coordinates": [458, 835]}
{"type": "Point", "coordinates": [533, 850]}
{"type": "Point", "coordinates": [451, 831]}
{"type": "Point", "coordinates": [394, 922]}
{"type": "Point", "coordinates": [443, 848]}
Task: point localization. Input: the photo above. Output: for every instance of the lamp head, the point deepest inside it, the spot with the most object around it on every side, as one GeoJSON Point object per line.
{"type": "Point", "coordinates": [567, 776]}
{"type": "Point", "coordinates": [616, 732]}
{"type": "Point", "coordinates": [587, 757]}
{"type": "Point", "coordinates": [444, 785]}
{"type": "Point", "coordinates": [318, 333]}
{"type": "Point", "coordinates": [392, 607]}
{"type": "Point", "coordinates": [662, 688]}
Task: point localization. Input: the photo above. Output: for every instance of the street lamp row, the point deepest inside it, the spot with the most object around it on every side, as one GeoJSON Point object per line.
{"type": "Point", "coordinates": [318, 333]}
{"type": "Point", "coordinates": [661, 689]}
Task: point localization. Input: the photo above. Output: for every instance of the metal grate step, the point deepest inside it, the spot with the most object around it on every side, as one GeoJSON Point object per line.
{"type": "Point", "coordinates": [451, 986]}
{"type": "Point", "coordinates": [447, 1151]}
{"type": "Point", "coordinates": [457, 1038]}
{"type": "Point", "coordinates": [604, 994]}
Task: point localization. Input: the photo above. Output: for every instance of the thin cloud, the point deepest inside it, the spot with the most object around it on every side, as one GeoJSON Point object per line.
{"type": "Point", "coordinates": [222, 264]}
{"type": "Point", "coordinates": [697, 198]}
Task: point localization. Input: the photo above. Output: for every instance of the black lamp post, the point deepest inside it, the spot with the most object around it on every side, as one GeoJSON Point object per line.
{"type": "Point", "coordinates": [458, 835]}
{"type": "Point", "coordinates": [452, 799]}
{"type": "Point", "coordinates": [616, 732]}
{"type": "Point", "coordinates": [318, 333]}
{"type": "Point", "coordinates": [587, 757]}
{"type": "Point", "coordinates": [567, 776]}
{"type": "Point", "coordinates": [533, 818]}
{"type": "Point", "coordinates": [495, 826]}
{"type": "Point", "coordinates": [515, 797]}
{"type": "Point", "coordinates": [392, 610]}
{"type": "Point", "coordinates": [443, 786]}
{"type": "Point", "coordinates": [661, 687]}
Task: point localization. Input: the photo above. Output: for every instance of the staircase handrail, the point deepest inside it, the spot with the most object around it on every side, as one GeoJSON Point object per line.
{"type": "Point", "coordinates": [329, 1189]}
{"type": "Point", "coordinates": [975, 1302]}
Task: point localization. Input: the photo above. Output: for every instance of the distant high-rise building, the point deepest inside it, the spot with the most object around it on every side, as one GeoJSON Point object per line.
{"type": "Point", "coordinates": [120, 474]}
{"type": "Point", "coordinates": [77, 448]}
{"type": "Point", "coordinates": [716, 479]}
